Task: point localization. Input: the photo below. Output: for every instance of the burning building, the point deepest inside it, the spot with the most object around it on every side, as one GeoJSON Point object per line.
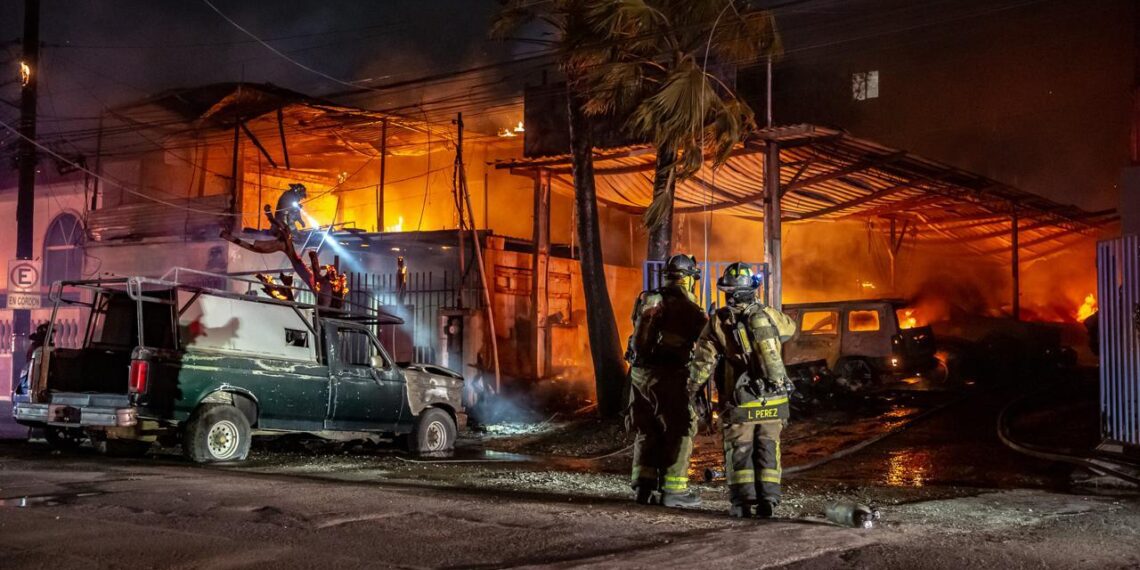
{"type": "Point", "coordinates": [168, 175]}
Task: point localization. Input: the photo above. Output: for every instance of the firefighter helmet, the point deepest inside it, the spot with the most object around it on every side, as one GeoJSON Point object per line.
{"type": "Point", "coordinates": [682, 265]}
{"type": "Point", "coordinates": [736, 277]}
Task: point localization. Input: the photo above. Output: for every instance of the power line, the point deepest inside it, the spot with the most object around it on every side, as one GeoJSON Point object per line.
{"type": "Point", "coordinates": [277, 51]}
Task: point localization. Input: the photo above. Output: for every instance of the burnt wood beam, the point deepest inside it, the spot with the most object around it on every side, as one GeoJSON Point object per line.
{"type": "Point", "coordinates": [257, 143]}
{"type": "Point", "coordinates": [900, 206]}
{"type": "Point", "coordinates": [844, 171]}
{"type": "Point", "coordinates": [281, 131]}
{"type": "Point", "coordinates": [857, 202]}
{"type": "Point", "coordinates": [796, 177]}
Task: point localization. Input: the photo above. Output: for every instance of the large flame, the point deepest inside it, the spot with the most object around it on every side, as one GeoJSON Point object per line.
{"type": "Point", "coordinates": [397, 227]}
{"type": "Point", "coordinates": [908, 319]}
{"type": "Point", "coordinates": [1087, 308]}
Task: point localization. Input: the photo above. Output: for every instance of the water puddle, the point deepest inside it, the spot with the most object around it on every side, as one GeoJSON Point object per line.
{"type": "Point", "coordinates": [45, 500]}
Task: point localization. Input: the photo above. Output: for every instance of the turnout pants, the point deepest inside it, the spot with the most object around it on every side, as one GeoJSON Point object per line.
{"type": "Point", "coordinates": [752, 461]}
{"type": "Point", "coordinates": [665, 424]}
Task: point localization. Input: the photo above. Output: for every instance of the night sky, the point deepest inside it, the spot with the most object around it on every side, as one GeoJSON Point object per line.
{"type": "Point", "coordinates": [107, 53]}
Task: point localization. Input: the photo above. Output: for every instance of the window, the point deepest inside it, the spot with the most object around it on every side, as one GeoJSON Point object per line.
{"type": "Point", "coordinates": [63, 249]}
{"type": "Point", "coordinates": [356, 348]}
{"type": "Point", "coordinates": [819, 322]}
{"type": "Point", "coordinates": [297, 338]}
{"type": "Point", "coordinates": [863, 321]}
{"type": "Point", "coordinates": [865, 85]}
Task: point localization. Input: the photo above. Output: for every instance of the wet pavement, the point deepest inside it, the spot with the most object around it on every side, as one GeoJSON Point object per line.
{"type": "Point", "coordinates": [951, 495]}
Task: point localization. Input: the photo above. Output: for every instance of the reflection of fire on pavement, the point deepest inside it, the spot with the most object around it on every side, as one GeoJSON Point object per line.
{"type": "Point", "coordinates": [908, 468]}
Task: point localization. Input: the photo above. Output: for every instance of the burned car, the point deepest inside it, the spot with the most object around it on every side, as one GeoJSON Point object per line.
{"type": "Point", "coordinates": [859, 341]}
{"type": "Point", "coordinates": [210, 367]}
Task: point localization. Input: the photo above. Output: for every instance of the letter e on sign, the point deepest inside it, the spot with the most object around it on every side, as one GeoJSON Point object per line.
{"type": "Point", "coordinates": [23, 276]}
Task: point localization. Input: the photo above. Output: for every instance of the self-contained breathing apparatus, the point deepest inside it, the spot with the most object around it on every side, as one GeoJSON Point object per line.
{"type": "Point", "coordinates": [764, 376]}
{"type": "Point", "coordinates": [664, 317]}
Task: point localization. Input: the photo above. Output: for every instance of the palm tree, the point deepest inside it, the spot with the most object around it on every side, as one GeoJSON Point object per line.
{"type": "Point", "coordinates": [577, 45]}
{"type": "Point", "coordinates": [656, 72]}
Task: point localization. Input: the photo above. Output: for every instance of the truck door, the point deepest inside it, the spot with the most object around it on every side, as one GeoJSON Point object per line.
{"type": "Point", "coordinates": [364, 397]}
{"type": "Point", "coordinates": [818, 337]}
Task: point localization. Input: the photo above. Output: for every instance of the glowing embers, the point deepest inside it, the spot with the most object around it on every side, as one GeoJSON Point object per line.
{"type": "Point", "coordinates": [507, 132]}
{"type": "Point", "coordinates": [1087, 308]}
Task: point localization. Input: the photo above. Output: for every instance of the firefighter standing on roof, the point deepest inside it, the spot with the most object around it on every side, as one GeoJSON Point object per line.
{"type": "Point", "coordinates": [666, 323]}
{"type": "Point", "coordinates": [753, 388]}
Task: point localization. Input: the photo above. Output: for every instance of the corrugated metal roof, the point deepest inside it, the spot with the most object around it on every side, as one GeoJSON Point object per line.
{"type": "Point", "coordinates": [202, 217]}
{"type": "Point", "coordinates": [827, 174]}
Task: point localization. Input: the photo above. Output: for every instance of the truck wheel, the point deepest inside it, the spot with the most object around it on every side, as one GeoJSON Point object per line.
{"type": "Point", "coordinates": [857, 372]}
{"type": "Point", "coordinates": [216, 432]}
{"type": "Point", "coordinates": [435, 432]}
{"type": "Point", "coordinates": [64, 439]}
{"type": "Point", "coordinates": [125, 448]}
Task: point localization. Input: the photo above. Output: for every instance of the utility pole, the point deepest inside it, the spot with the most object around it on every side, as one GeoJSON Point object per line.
{"type": "Point", "coordinates": [26, 196]}
{"type": "Point", "coordinates": [465, 200]}
{"type": "Point", "coordinates": [383, 175]}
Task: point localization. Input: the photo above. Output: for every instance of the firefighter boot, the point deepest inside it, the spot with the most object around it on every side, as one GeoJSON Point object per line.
{"type": "Point", "coordinates": [764, 509]}
{"type": "Point", "coordinates": [686, 500]}
{"type": "Point", "coordinates": [647, 493]}
{"type": "Point", "coordinates": [740, 511]}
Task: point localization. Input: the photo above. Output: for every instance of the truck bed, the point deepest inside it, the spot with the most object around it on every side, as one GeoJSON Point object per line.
{"type": "Point", "coordinates": [89, 370]}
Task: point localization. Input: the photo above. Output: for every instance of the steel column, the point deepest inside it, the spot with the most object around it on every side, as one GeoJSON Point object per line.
{"type": "Point", "coordinates": [772, 225]}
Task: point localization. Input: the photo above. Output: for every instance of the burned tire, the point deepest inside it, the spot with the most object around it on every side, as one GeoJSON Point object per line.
{"type": "Point", "coordinates": [215, 433]}
{"type": "Point", "coordinates": [64, 439]}
{"type": "Point", "coordinates": [435, 432]}
{"type": "Point", "coordinates": [857, 373]}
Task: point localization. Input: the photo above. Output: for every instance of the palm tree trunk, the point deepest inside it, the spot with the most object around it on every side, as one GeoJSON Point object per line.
{"type": "Point", "coordinates": [661, 235]}
{"type": "Point", "coordinates": [605, 347]}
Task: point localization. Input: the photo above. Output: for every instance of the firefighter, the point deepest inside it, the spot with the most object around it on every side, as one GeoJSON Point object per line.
{"type": "Point", "coordinates": [666, 323]}
{"type": "Point", "coordinates": [753, 388]}
{"type": "Point", "coordinates": [288, 212]}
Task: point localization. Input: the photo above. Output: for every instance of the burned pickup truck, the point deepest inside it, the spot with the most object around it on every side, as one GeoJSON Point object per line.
{"type": "Point", "coordinates": [209, 367]}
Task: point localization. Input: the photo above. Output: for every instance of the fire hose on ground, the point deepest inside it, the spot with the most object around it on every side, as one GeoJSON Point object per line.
{"type": "Point", "coordinates": [711, 475]}
{"type": "Point", "coordinates": [1098, 466]}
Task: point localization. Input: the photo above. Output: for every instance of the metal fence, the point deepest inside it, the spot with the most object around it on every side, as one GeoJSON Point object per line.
{"type": "Point", "coordinates": [1118, 295]}
{"type": "Point", "coordinates": [417, 298]}
{"type": "Point", "coordinates": [707, 293]}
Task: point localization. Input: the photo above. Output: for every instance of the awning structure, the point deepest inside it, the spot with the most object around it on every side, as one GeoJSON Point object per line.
{"type": "Point", "coordinates": [828, 175]}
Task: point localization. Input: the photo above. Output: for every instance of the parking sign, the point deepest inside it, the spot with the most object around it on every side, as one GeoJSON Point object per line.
{"type": "Point", "coordinates": [24, 284]}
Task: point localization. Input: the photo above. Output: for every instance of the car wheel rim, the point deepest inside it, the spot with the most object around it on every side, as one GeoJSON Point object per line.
{"type": "Point", "coordinates": [223, 439]}
{"type": "Point", "coordinates": [436, 438]}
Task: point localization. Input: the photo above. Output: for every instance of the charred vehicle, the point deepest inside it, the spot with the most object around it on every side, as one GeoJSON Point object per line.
{"type": "Point", "coordinates": [209, 367]}
{"type": "Point", "coordinates": [857, 341]}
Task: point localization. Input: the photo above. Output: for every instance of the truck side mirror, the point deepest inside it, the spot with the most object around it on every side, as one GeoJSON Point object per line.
{"type": "Point", "coordinates": [377, 361]}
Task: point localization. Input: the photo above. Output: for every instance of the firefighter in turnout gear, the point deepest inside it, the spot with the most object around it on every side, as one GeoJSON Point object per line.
{"type": "Point", "coordinates": [666, 324]}
{"type": "Point", "coordinates": [753, 388]}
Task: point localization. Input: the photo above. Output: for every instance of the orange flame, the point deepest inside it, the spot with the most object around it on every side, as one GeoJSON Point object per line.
{"type": "Point", "coordinates": [1087, 308]}
{"type": "Point", "coordinates": [907, 319]}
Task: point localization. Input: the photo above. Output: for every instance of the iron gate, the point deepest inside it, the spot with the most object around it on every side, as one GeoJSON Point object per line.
{"type": "Point", "coordinates": [1118, 293]}
{"type": "Point", "coordinates": [419, 298]}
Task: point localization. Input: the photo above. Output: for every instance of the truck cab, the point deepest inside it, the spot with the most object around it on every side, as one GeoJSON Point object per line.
{"type": "Point", "coordinates": [210, 368]}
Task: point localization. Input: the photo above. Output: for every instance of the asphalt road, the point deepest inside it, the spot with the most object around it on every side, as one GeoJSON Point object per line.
{"type": "Point", "coordinates": [86, 511]}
